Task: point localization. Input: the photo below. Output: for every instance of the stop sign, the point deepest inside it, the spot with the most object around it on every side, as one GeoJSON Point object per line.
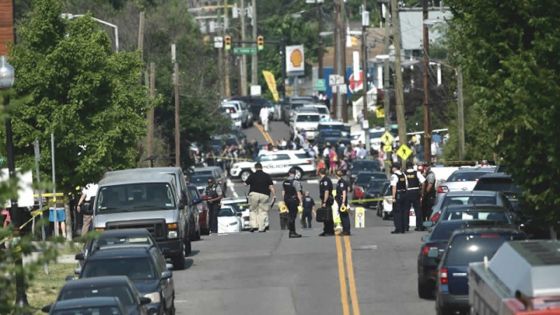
{"type": "Point", "coordinates": [356, 84]}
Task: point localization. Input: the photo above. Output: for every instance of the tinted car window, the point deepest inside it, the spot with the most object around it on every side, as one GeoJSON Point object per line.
{"type": "Point", "coordinates": [365, 165]}
{"type": "Point", "coordinates": [135, 197]}
{"type": "Point", "coordinates": [497, 184]}
{"type": "Point", "coordinates": [465, 176]}
{"type": "Point", "coordinates": [282, 157]}
{"type": "Point", "coordinates": [200, 179]}
{"type": "Point", "coordinates": [302, 155]}
{"type": "Point", "coordinates": [226, 212]}
{"type": "Point", "coordinates": [122, 292]}
{"type": "Point", "coordinates": [137, 268]}
{"type": "Point", "coordinates": [364, 178]}
{"type": "Point", "coordinates": [444, 231]}
{"type": "Point", "coordinates": [101, 310]}
{"type": "Point", "coordinates": [499, 216]}
{"type": "Point", "coordinates": [464, 249]}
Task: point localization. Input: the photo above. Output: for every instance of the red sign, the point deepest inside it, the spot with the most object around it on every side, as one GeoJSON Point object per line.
{"type": "Point", "coordinates": [356, 85]}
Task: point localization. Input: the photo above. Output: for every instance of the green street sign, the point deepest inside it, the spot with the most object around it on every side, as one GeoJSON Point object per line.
{"type": "Point", "coordinates": [320, 85]}
{"type": "Point", "coordinates": [244, 50]}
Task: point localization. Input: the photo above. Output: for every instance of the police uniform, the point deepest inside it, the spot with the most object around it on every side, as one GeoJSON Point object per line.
{"type": "Point", "coordinates": [429, 197]}
{"type": "Point", "coordinates": [213, 191]}
{"type": "Point", "coordinates": [342, 187]}
{"type": "Point", "coordinates": [398, 180]}
{"type": "Point", "coordinates": [414, 181]}
{"type": "Point", "coordinates": [291, 188]}
{"type": "Point", "coordinates": [307, 216]}
{"type": "Point", "coordinates": [325, 185]}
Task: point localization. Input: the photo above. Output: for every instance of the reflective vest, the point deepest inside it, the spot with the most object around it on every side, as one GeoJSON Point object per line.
{"type": "Point", "coordinates": [290, 192]}
{"type": "Point", "coordinates": [412, 178]}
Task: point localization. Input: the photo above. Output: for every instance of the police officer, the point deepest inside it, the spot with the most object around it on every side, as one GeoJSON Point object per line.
{"type": "Point", "coordinates": [293, 199]}
{"type": "Point", "coordinates": [325, 192]}
{"type": "Point", "coordinates": [342, 201]}
{"type": "Point", "coordinates": [214, 196]}
{"type": "Point", "coordinates": [398, 189]}
{"type": "Point", "coordinates": [428, 192]}
{"type": "Point", "coordinates": [414, 181]}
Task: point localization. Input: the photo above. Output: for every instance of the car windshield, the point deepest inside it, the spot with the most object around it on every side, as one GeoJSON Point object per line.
{"type": "Point", "coordinates": [497, 184]}
{"type": "Point", "coordinates": [94, 310]}
{"type": "Point", "coordinates": [364, 178]}
{"type": "Point", "coordinates": [308, 118]}
{"type": "Point", "coordinates": [322, 110]}
{"type": "Point", "coordinates": [122, 292]}
{"type": "Point", "coordinates": [121, 240]}
{"type": "Point", "coordinates": [468, 214]}
{"type": "Point", "coordinates": [465, 249]}
{"type": "Point", "coordinates": [443, 231]}
{"type": "Point", "coordinates": [226, 212]}
{"type": "Point", "coordinates": [200, 179]}
{"type": "Point", "coordinates": [468, 200]}
{"type": "Point", "coordinates": [135, 197]}
{"type": "Point", "coordinates": [330, 133]}
{"type": "Point", "coordinates": [462, 176]}
{"type": "Point", "coordinates": [377, 186]}
{"type": "Point", "coordinates": [136, 268]}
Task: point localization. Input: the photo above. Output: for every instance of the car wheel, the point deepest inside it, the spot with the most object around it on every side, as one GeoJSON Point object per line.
{"type": "Point", "coordinates": [171, 311]}
{"type": "Point", "coordinates": [188, 246]}
{"type": "Point", "coordinates": [424, 290]}
{"type": "Point", "coordinates": [298, 173]}
{"type": "Point", "coordinates": [179, 260]}
{"type": "Point", "coordinates": [244, 175]}
{"type": "Point", "coordinates": [195, 234]}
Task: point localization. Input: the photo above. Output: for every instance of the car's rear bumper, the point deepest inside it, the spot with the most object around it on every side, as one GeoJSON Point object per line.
{"type": "Point", "coordinates": [453, 302]}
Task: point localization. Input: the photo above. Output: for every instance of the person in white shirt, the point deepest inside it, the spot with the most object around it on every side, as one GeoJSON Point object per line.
{"type": "Point", "coordinates": [263, 114]}
{"type": "Point", "coordinates": [85, 205]}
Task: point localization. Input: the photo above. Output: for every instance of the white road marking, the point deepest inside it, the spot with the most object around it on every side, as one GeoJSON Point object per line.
{"type": "Point", "coordinates": [229, 184]}
{"type": "Point", "coordinates": [313, 181]}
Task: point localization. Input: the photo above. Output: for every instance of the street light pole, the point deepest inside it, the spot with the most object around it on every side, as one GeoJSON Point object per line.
{"type": "Point", "coordinates": [71, 16]}
{"type": "Point", "coordinates": [7, 78]}
{"type": "Point", "coordinates": [427, 119]}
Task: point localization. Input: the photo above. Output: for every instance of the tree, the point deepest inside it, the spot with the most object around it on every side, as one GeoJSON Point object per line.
{"type": "Point", "coordinates": [509, 53]}
{"type": "Point", "coordinates": [88, 96]}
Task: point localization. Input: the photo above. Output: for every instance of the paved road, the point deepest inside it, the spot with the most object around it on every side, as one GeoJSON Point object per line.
{"type": "Point", "coordinates": [370, 272]}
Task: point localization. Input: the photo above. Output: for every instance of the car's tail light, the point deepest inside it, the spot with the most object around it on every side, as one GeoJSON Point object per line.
{"type": "Point", "coordinates": [442, 189]}
{"type": "Point", "coordinates": [489, 235]}
{"type": "Point", "coordinates": [358, 192]}
{"type": "Point", "coordinates": [443, 279]}
{"type": "Point", "coordinates": [425, 250]}
{"type": "Point", "coordinates": [435, 217]}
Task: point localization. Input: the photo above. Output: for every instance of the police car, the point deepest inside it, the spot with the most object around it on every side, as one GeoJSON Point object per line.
{"type": "Point", "coordinates": [276, 163]}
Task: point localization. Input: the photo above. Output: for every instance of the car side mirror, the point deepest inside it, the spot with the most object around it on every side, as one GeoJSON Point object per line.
{"type": "Point", "coordinates": [144, 300]}
{"type": "Point", "coordinates": [79, 256]}
{"type": "Point", "coordinates": [433, 252]}
{"type": "Point", "coordinates": [46, 308]}
{"type": "Point", "coordinates": [239, 214]}
{"type": "Point", "coordinates": [428, 224]}
{"type": "Point", "coordinates": [169, 266]}
{"type": "Point", "coordinates": [77, 271]}
{"type": "Point", "coordinates": [166, 275]}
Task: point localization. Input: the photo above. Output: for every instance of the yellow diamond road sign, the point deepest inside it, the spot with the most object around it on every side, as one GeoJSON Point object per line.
{"type": "Point", "coordinates": [387, 138]}
{"type": "Point", "coordinates": [404, 152]}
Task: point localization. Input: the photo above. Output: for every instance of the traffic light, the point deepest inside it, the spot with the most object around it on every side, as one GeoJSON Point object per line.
{"type": "Point", "coordinates": [260, 42]}
{"type": "Point", "coordinates": [227, 42]}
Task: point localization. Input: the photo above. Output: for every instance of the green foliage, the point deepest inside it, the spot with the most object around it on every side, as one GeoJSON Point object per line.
{"type": "Point", "coordinates": [81, 91]}
{"type": "Point", "coordinates": [509, 53]}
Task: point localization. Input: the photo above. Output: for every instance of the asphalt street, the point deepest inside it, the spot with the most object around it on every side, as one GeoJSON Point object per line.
{"type": "Point", "coordinates": [370, 272]}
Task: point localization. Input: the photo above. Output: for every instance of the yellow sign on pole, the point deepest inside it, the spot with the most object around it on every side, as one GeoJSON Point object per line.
{"type": "Point", "coordinates": [379, 112]}
{"type": "Point", "coordinates": [360, 219]}
{"type": "Point", "coordinates": [271, 83]}
{"type": "Point", "coordinates": [404, 152]}
{"type": "Point", "coordinates": [387, 138]}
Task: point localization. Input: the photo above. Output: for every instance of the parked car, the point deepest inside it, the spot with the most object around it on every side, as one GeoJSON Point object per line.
{"type": "Point", "coordinates": [202, 207]}
{"type": "Point", "coordinates": [335, 125]}
{"type": "Point", "coordinates": [463, 179]}
{"type": "Point", "coordinates": [242, 110]}
{"type": "Point", "coordinates": [322, 109]}
{"type": "Point", "coordinates": [328, 137]}
{"type": "Point", "coordinates": [374, 190]}
{"type": "Point", "coordinates": [255, 104]}
{"type": "Point", "coordinates": [216, 172]}
{"type": "Point", "coordinates": [240, 206]}
{"type": "Point", "coordinates": [292, 105]}
{"type": "Point", "coordinates": [358, 166]}
{"type": "Point", "coordinates": [301, 110]}
{"type": "Point", "coordinates": [386, 206]}
{"type": "Point", "coordinates": [503, 183]}
{"type": "Point", "coordinates": [116, 238]}
{"type": "Point", "coordinates": [477, 212]}
{"type": "Point", "coordinates": [235, 116]}
{"type": "Point", "coordinates": [109, 286]}
{"type": "Point", "coordinates": [306, 123]}
{"type": "Point", "coordinates": [464, 247]}
{"type": "Point", "coordinates": [146, 200]}
{"type": "Point", "coordinates": [480, 197]}
{"type": "Point", "coordinates": [433, 247]}
{"type": "Point", "coordinates": [144, 266]}
{"type": "Point", "coordinates": [362, 180]}
{"type": "Point", "coordinates": [229, 221]}
{"type": "Point", "coordinates": [94, 305]}
{"type": "Point", "coordinates": [276, 163]}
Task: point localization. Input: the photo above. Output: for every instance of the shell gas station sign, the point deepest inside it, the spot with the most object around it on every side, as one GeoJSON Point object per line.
{"type": "Point", "coordinates": [295, 60]}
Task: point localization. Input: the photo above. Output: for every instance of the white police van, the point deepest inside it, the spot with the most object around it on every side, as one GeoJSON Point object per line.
{"type": "Point", "coordinates": [276, 163]}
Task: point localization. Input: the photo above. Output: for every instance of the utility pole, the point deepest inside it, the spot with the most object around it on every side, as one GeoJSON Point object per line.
{"type": "Point", "coordinates": [221, 33]}
{"type": "Point", "coordinates": [150, 114]}
{"type": "Point", "coordinates": [336, 107]}
{"type": "Point", "coordinates": [365, 23]}
{"type": "Point", "coordinates": [386, 72]}
{"type": "Point", "coordinates": [243, 66]}
{"type": "Point", "coordinates": [141, 27]}
{"type": "Point", "coordinates": [427, 120]}
{"type": "Point", "coordinates": [227, 84]}
{"type": "Point", "coordinates": [460, 114]}
{"type": "Point", "coordinates": [176, 92]}
{"type": "Point", "coordinates": [399, 94]}
{"type": "Point", "coordinates": [320, 53]}
{"type": "Point", "coordinates": [342, 43]}
{"type": "Point", "coordinates": [254, 57]}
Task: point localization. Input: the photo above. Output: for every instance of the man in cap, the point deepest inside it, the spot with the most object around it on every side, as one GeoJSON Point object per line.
{"type": "Point", "coordinates": [214, 196]}
{"type": "Point", "coordinates": [342, 201]}
{"type": "Point", "coordinates": [398, 190]}
{"type": "Point", "coordinates": [325, 193]}
{"type": "Point", "coordinates": [261, 189]}
{"type": "Point", "coordinates": [428, 192]}
{"type": "Point", "coordinates": [293, 199]}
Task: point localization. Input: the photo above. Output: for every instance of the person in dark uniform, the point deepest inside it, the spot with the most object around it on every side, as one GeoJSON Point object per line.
{"type": "Point", "coordinates": [325, 192]}
{"type": "Point", "coordinates": [398, 189]}
{"type": "Point", "coordinates": [214, 196]}
{"type": "Point", "coordinates": [342, 201]}
{"type": "Point", "coordinates": [308, 207]}
{"type": "Point", "coordinates": [428, 192]}
{"type": "Point", "coordinates": [414, 181]}
{"type": "Point", "coordinates": [293, 199]}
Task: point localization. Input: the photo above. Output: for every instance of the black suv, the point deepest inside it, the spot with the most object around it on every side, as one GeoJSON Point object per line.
{"type": "Point", "coordinates": [144, 266]}
{"type": "Point", "coordinates": [464, 247]}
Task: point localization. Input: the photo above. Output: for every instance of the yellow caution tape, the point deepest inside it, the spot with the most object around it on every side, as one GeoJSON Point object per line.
{"type": "Point", "coordinates": [366, 200]}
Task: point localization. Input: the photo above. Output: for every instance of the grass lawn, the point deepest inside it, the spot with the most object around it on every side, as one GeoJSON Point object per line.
{"type": "Point", "coordinates": [44, 288]}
